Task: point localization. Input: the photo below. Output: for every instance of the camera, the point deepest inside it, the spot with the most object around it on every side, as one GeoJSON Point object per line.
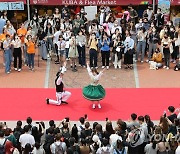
{"type": "Point", "coordinates": [67, 119]}
{"type": "Point", "coordinates": [85, 116]}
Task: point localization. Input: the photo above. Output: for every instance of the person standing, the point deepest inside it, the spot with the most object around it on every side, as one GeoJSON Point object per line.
{"type": "Point", "coordinates": [153, 39]}
{"type": "Point", "coordinates": [61, 44]}
{"type": "Point", "coordinates": [81, 42]}
{"type": "Point", "coordinates": [166, 50]}
{"type": "Point", "coordinates": [118, 50]}
{"type": "Point", "coordinates": [2, 24]}
{"type": "Point", "coordinates": [61, 95]}
{"type": "Point", "coordinates": [141, 45]}
{"type": "Point", "coordinates": [128, 51]}
{"type": "Point", "coordinates": [7, 53]}
{"type": "Point", "coordinates": [92, 44]}
{"type": "Point", "coordinates": [105, 50]}
{"type": "Point", "coordinates": [73, 52]}
{"type": "Point", "coordinates": [31, 52]}
{"type": "Point", "coordinates": [94, 92]}
{"type": "Point", "coordinates": [21, 32]}
{"type": "Point", "coordinates": [17, 53]}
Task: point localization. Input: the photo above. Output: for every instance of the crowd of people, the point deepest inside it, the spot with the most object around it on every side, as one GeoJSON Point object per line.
{"type": "Point", "coordinates": [139, 135]}
{"type": "Point", "coordinates": [73, 37]}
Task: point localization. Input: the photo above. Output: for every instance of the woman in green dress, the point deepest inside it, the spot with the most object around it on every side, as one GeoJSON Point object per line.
{"type": "Point", "coordinates": [94, 91]}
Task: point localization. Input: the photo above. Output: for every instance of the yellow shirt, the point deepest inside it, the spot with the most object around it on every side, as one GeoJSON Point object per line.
{"type": "Point", "coordinates": [157, 57]}
{"type": "Point", "coordinates": [93, 44]}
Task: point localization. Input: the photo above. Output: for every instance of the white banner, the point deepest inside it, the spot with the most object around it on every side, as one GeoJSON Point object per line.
{"type": "Point", "coordinates": [91, 12]}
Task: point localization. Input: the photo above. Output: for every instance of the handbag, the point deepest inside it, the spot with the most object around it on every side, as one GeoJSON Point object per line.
{"type": "Point", "coordinates": [118, 49]}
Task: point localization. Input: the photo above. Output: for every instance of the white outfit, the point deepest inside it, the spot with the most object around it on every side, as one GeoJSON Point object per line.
{"type": "Point", "coordinates": [26, 138]}
{"type": "Point", "coordinates": [178, 150]}
{"type": "Point", "coordinates": [94, 78]}
{"type": "Point", "coordinates": [149, 149]}
{"type": "Point", "coordinates": [57, 143]}
{"type": "Point", "coordinates": [56, 36]}
{"type": "Point", "coordinates": [61, 96]}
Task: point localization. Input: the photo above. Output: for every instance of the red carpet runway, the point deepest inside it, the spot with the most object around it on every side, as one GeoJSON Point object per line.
{"type": "Point", "coordinates": [18, 104]}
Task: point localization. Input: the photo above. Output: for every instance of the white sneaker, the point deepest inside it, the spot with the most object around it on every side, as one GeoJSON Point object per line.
{"type": "Point", "coordinates": [96, 67]}
{"type": "Point", "coordinates": [19, 70]}
{"type": "Point", "coordinates": [15, 69]}
{"type": "Point", "coordinates": [167, 68]}
{"type": "Point", "coordinates": [147, 61]}
{"type": "Point", "coordinates": [164, 66]}
{"type": "Point", "coordinates": [142, 61]}
{"type": "Point", "coordinates": [8, 72]}
{"type": "Point", "coordinates": [107, 67]}
{"type": "Point", "coordinates": [103, 67]}
{"type": "Point", "coordinates": [99, 106]}
{"type": "Point", "coordinates": [94, 106]}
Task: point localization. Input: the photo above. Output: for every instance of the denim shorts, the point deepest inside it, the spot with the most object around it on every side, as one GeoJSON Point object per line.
{"type": "Point", "coordinates": [62, 52]}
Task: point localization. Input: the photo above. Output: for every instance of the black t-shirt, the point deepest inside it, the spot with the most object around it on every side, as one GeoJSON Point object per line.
{"type": "Point", "coordinates": [172, 117]}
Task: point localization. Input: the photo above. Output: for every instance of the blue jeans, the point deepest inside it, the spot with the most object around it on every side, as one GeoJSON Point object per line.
{"type": "Point", "coordinates": [31, 60]}
{"type": "Point", "coordinates": [141, 45]}
{"type": "Point", "coordinates": [8, 58]}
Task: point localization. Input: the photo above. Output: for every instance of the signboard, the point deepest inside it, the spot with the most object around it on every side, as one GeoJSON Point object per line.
{"type": "Point", "coordinates": [11, 5]}
{"type": "Point", "coordinates": [16, 6]}
{"type": "Point", "coordinates": [164, 5]}
{"type": "Point", "coordinates": [89, 2]}
{"type": "Point", "coordinates": [91, 12]}
{"type": "Point", "coordinates": [3, 6]}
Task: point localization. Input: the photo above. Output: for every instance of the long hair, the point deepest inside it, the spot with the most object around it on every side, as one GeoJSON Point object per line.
{"type": "Point", "coordinates": [94, 70]}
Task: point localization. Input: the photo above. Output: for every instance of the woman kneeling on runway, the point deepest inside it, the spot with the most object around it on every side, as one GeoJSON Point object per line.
{"type": "Point", "coordinates": [94, 92]}
{"type": "Point", "coordinates": [61, 95]}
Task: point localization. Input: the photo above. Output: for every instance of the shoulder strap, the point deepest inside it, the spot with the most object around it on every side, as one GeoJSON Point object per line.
{"type": "Point", "coordinates": [5, 141]}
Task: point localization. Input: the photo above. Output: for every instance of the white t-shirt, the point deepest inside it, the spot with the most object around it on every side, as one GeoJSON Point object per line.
{"type": "Point", "coordinates": [178, 150]}
{"type": "Point", "coordinates": [26, 138]}
{"type": "Point", "coordinates": [56, 36]}
{"type": "Point", "coordinates": [61, 45]}
{"type": "Point", "coordinates": [149, 149]}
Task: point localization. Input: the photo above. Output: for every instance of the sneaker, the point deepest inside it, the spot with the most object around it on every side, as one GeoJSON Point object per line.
{"type": "Point", "coordinates": [8, 72]}
{"type": "Point", "coordinates": [15, 69]}
{"type": "Point", "coordinates": [47, 100]}
{"type": "Point", "coordinates": [167, 68]}
{"type": "Point", "coordinates": [64, 102]}
{"type": "Point", "coordinates": [135, 61]}
{"type": "Point", "coordinates": [99, 106]}
{"type": "Point", "coordinates": [142, 61]}
{"type": "Point", "coordinates": [19, 70]}
{"type": "Point", "coordinates": [32, 69]}
{"type": "Point", "coordinates": [164, 66]}
{"type": "Point", "coordinates": [96, 67]}
{"type": "Point", "coordinates": [119, 67]}
{"type": "Point", "coordinates": [107, 67]}
{"type": "Point", "coordinates": [94, 106]}
{"type": "Point", "coordinates": [103, 67]}
{"type": "Point", "coordinates": [147, 61]}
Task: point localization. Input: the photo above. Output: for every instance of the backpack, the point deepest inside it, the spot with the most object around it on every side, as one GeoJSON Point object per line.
{"type": "Point", "coordinates": [66, 134]}
{"type": "Point", "coordinates": [75, 151]}
{"type": "Point", "coordinates": [118, 152]}
{"type": "Point", "coordinates": [17, 134]}
{"type": "Point", "coordinates": [107, 151]}
{"type": "Point", "coordinates": [2, 147]}
{"type": "Point", "coordinates": [59, 149]}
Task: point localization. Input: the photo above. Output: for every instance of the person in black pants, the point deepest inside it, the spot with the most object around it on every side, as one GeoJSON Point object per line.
{"type": "Point", "coordinates": [93, 50]}
{"type": "Point", "coordinates": [17, 53]}
{"type": "Point", "coordinates": [166, 51]}
{"type": "Point", "coordinates": [105, 50]}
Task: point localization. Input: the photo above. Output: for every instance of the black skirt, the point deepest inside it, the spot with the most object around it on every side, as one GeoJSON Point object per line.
{"type": "Point", "coordinates": [128, 58]}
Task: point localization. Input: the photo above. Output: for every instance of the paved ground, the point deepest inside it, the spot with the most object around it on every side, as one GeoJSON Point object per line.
{"type": "Point", "coordinates": [44, 75]}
